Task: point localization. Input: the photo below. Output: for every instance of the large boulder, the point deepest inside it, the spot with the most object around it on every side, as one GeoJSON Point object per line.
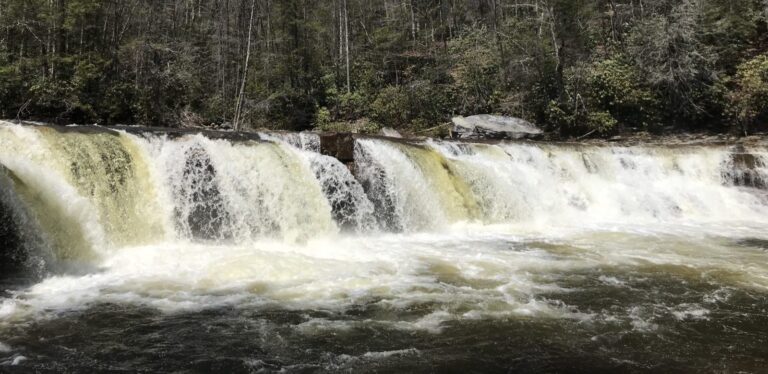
{"type": "Point", "coordinates": [486, 126]}
{"type": "Point", "coordinates": [390, 132]}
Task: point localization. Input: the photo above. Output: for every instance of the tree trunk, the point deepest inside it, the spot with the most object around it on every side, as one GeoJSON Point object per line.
{"type": "Point", "coordinates": [499, 43]}
{"type": "Point", "coordinates": [765, 9]}
{"type": "Point", "coordinates": [239, 104]}
{"type": "Point", "coordinates": [346, 43]}
{"type": "Point", "coordinates": [339, 61]}
{"type": "Point", "coordinates": [413, 24]}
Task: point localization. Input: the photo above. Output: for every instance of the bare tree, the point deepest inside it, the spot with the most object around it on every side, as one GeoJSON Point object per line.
{"type": "Point", "coordinates": [346, 43]}
{"type": "Point", "coordinates": [239, 104]}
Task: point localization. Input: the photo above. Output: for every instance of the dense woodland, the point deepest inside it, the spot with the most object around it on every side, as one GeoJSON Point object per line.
{"type": "Point", "coordinates": [573, 66]}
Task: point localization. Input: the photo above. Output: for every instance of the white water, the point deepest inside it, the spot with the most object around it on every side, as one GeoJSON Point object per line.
{"type": "Point", "coordinates": [545, 184]}
{"type": "Point", "coordinates": [489, 229]}
{"type": "Point", "coordinates": [249, 191]}
{"type": "Point", "coordinates": [303, 140]}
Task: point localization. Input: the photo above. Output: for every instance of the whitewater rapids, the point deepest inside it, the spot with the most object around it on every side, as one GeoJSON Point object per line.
{"type": "Point", "coordinates": [420, 237]}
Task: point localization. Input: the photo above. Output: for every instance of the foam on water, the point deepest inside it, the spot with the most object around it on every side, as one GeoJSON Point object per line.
{"type": "Point", "coordinates": [467, 274]}
{"type": "Point", "coordinates": [435, 231]}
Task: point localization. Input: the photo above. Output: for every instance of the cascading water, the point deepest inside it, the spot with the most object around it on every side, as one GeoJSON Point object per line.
{"type": "Point", "coordinates": [115, 189]}
{"type": "Point", "coordinates": [415, 254]}
{"type": "Point", "coordinates": [414, 187]}
{"type": "Point", "coordinates": [66, 218]}
{"type": "Point", "coordinates": [447, 182]}
{"type": "Point", "coordinates": [351, 207]}
{"type": "Point", "coordinates": [303, 140]}
{"type": "Point", "coordinates": [244, 191]}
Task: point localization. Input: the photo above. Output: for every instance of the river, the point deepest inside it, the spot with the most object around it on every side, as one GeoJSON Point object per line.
{"type": "Point", "coordinates": [159, 254]}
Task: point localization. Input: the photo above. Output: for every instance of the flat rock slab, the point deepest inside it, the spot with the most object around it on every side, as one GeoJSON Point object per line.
{"type": "Point", "coordinates": [486, 126]}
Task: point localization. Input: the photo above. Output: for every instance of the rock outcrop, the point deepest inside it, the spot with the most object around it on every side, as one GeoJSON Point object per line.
{"type": "Point", "coordinates": [390, 132]}
{"type": "Point", "coordinates": [338, 145]}
{"type": "Point", "coordinates": [745, 169]}
{"type": "Point", "coordinates": [486, 126]}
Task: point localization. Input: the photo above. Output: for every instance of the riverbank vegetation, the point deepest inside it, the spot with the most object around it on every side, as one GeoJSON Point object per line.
{"type": "Point", "coordinates": [575, 67]}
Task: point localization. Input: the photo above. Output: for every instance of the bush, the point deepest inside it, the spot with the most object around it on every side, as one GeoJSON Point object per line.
{"type": "Point", "coordinates": [351, 105]}
{"type": "Point", "coordinates": [362, 126]}
{"type": "Point", "coordinates": [391, 107]}
{"type": "Point", "coordinates": [616, 87]}
{"type": "Point", "coordinates": [747, 103]}
{"type": "Point", "coordinates": [602, 97]}
{"type": "Point", "coordinates": [322, 117]}
{"type": "Point", "coordinates": [476, 72]}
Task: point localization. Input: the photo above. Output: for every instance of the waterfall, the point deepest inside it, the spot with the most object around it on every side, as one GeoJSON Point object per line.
{"type": "Point", "coordinates": [419, 186]}
{"type": "Point", "coordinates": [302, 140]}
{"type": "Point", "coordinates": [242, 191]}
{"type": "Point", "coordinates": [80, 193]}
{"type": "Point", "coordinates": [413, 187]}
{"type": "Point", "coordinates": [89, 191]}
{"type": "Point", "coordinates": [45, 182]}
{"type": "Point", "coordinates": [265, 237]}
{"type": "Point", "coordinates": [351, 207]}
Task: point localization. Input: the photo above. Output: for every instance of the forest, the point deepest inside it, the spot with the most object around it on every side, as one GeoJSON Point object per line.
{"type": "Point", "coordinates": [574, 67]}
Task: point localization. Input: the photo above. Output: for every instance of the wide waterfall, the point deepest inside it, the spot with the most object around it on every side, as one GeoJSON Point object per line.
{"type": "Point", "coordinates": [434, 184]}
{"type": "Point", "coordinates": [417, 245]}
{"type": "Point", "coordinates": [93, 191]}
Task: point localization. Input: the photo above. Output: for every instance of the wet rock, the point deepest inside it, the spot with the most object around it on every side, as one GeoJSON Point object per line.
{"type": "Point", "coordinates": [745, 170]}
{"type": "Point", "coordinates": [205, 216]}
{"type": "Point", "coordinates": [486, 126]}
{"type": "Point", "coordinates": [12, 255]}
{"type": "Point", "coordinates": [338, 145]}
{"type": "Point", "coordinates": [753, 242]}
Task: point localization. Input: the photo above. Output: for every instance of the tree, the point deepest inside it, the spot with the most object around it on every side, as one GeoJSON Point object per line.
{"type": "Point", "coordinates": [570, 65]}
{"type": "Point", "coordinates": [239, 104]}
{"type": "Point", "coordinates": [748, 100]}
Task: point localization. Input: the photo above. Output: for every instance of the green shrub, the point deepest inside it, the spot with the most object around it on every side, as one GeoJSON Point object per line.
{"type": "Point", "coordinates": [322, 117]}
{"type": "Point", "coordinates": [617, 88]}
{"type": "Point", "coordinates": [747, 103]}
{"type": "Point", "coordinates": [391, 107]}
{"type": "Point", "coordinates": [601, 97]}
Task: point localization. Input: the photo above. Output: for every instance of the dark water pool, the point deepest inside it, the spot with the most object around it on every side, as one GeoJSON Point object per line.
{"type": "Point", "coordinates": [645, 320]}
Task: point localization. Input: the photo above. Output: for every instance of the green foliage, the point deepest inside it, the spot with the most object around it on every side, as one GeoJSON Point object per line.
{"type": "Point", "coordinates": [475, 72]}
{"type": "Point", "coordinates": [322, 118]}
{"type": "Point", "coordinates": [600, 96]}
{"type": "Point", "coordinates": [362, 126]}
{"type": "Point", "coordinates": [601, 121]}
{"type": "Point", "coordinates": [391, 107]}
{"type": "Point", "coordinates": [748, 101]}
{"type": "Point", "coordinates": [351, 106]}
{"type": "Point", "coordinates": [573, 66]}
{"type": "Point", "coordinates": [415, 107]}
{"type": "Point", "coordinates": [615, 87]}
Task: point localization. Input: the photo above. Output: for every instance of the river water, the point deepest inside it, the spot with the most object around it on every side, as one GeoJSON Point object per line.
{"type": "Point", "coordinates": [149, 253]}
